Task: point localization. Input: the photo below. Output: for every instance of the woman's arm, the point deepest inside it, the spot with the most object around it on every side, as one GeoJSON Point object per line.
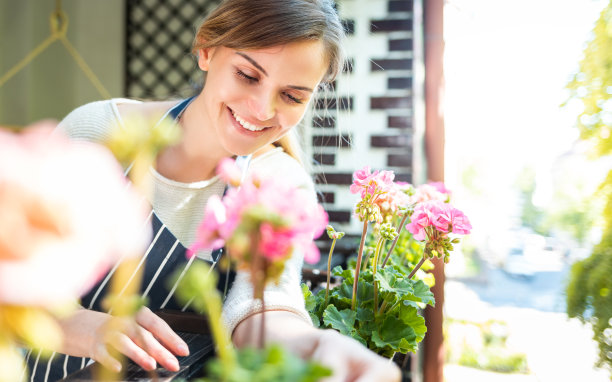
{"type": "Point", "coordinates": [349, 360]}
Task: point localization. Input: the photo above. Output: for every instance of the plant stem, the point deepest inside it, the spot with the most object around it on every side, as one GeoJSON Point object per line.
{"type": "Point", "coordinates": [382, 307]}
{"type": "Point", "coordinates": [358, 265]}
{"type": "Point", "coordinates": [212, 300]}
{"type": "Point", "coordinates": [331, 251]}
{"type": "Point", "coordinates": [374, 268]}
{"type": "Point", "coordinates": [417, 267]}
{"type": "Point", "coordinates": [399, 230]}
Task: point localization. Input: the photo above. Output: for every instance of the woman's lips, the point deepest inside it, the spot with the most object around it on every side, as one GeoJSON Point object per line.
{"type": "Point", "coordinates": [244, 125]}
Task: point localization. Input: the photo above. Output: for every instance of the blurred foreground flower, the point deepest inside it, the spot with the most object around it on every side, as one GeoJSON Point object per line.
{"type": "Point", "coordinates": [68, 215]}
{"type": "Point", "coordinates": [267, 218]}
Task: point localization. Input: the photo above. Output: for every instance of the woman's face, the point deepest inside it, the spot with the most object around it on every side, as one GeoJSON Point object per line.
{"type": "Point", "coordinates": [253, 97]}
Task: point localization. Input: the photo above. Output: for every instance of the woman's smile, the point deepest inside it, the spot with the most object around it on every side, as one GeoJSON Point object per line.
{"type": "Point", "coordinates": [245, 124]}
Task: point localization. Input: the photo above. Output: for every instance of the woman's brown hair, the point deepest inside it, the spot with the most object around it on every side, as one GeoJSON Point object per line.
{"type": "Point", "coordinates": [258, 24]}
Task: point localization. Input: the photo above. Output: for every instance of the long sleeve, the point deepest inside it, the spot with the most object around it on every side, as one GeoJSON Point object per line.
{"type": "Point", "coordinates": [287, 294]}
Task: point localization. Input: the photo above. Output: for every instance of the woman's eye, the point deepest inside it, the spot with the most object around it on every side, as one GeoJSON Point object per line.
{"type": "Point", "coordinates": [292, 98]}
{"type": "Point", "coordinates": [246, 77]}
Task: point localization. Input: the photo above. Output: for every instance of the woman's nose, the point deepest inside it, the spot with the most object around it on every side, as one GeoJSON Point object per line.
{"type": "Point", "coordinates": [263, 106]}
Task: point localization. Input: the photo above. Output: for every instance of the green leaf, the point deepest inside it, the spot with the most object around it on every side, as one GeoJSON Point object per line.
{"type": "Point", "coordinates": [395, 335]}
{"type": "Point", "coordinates": [423, 292]}
{"type": "Point", "coordinates": [389, 280]}
{"type": "Point", "coordinates": [364, 315]}
{"type": "Point", "coordinates": [343, 321]}
{"type": "Point", "coordinates": [410, 316]}
{"type": "Point", "coordinates": [310, 299]}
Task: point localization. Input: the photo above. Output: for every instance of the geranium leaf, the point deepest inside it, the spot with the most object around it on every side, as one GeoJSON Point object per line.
{"type": "Point", "coordinates": [388, 281]}
{"type": "Point", "coordinates": [395, 335]}
{"type": "Point", "coordinates": [310, 300]}
{"type": "Point", "coordinates": [364, 315]}
{"type": "Point", "coordinates": [422, 291]}
{"type": "Point", "coordinates": [343, 321]}
{"type": "Point", "coordinates": [410, 316]}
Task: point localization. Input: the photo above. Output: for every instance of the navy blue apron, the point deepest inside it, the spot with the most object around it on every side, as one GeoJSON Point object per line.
{"type": "Point", "coordinates": [163, 257]}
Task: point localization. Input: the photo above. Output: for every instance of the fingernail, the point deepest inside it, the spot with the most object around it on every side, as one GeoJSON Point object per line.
{"type": "Point", "coordinates": [183, 349]}
{"type": "Point", "coordinates": [174, 363]}
{"type": "Point", "coordinates": [117, 367]}
{"type": "Point", "coordinates": [152, 364]}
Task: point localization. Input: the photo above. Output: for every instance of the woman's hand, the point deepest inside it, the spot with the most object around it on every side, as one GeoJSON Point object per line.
{"type": "Point", "coordinates": [146, 339]}
{"type": "Point", "coordinates": [348, 359]}
{"type": "Point", "coordinates": [351, 361]}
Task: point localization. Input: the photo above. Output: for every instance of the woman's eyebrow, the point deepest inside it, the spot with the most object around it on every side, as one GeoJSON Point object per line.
{"type": "Point", "coordinates": [255, 64]}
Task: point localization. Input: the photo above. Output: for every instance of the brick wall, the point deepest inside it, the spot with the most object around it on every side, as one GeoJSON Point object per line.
{"type": "Point", "coordinates": [374, 120]}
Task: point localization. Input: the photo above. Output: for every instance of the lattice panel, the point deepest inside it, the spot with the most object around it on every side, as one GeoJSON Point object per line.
{"type": "Point", "coordinates": [158, 56]}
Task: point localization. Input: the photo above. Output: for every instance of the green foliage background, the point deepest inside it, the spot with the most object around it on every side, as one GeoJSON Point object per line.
{"type": "Point", "coordinates": [589, 295]}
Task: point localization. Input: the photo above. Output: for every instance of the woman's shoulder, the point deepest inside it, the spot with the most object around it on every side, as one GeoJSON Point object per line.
{"type": "Point", "coordinates": [94, 121]}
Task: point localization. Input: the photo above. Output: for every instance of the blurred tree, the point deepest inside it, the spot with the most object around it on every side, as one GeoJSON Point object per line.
{"type": "Point", "coordinates": [532, 216]}
{"type": "Point", "coordinates": [589, 291]}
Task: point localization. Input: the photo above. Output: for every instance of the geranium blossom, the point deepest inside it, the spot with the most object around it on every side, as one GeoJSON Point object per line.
{"type": "Point", "coordinates": [441, 216]}
{"type": "Point", "coordinates": [370, 183]}
{"type": "Point", "coordinates": [426, 192]}
{"type": "Point", "coordinates": [88, 219]}
{"type": "Point", "coordinates": [267, 213]}
{"type": "Point", "coordinates": [229, 172]}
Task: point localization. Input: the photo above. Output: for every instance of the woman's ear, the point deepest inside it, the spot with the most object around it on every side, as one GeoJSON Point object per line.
{"type": "Point", "coordinates": [204, 56]}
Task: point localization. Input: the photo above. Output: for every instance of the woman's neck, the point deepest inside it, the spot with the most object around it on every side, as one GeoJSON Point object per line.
{"type": "Point", "coordinates": [195, 156]}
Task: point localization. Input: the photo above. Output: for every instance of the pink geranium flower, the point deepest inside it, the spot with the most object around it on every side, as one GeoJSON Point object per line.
{"type": "Point", "coordinates": [441, 216]}
{"type": "Point", "coordinates": [426, 192]}
{"type": "Point", "coordinates": [274, 218]}
{"type": "Point", "coordinates": [370, 183]}
{"type": "Point", "coordinates": [229, 172]}
{"type": "Point", "coordinates": [70, 216]}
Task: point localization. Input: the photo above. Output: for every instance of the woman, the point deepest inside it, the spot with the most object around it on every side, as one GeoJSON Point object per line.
{"type": "Point", "coordinates": [264, 60]}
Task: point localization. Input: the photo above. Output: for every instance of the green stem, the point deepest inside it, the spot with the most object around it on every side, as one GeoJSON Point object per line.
{"type": "Point", "coordinates": [374, 268]}
{"type": "Point", "coordinates": [358, 265]}
{"type": "Point", "coordinates": [220, 335]}
{"type": "Point", "coordinates": [384, 305]}
{"type": "Point", "coordinates": [417, 267]}
{"type": "Point", "coordinates": [399, 230]}
{"type": "Point", "coordinates": [329, 258]}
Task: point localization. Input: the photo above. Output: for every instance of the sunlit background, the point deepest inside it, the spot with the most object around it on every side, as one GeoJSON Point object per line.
{"type": "Point", "coordinates": [516, 166]}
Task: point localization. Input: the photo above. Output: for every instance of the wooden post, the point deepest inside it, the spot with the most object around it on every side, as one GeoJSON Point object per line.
{"type": "Point", "coordinates": [434, 147]}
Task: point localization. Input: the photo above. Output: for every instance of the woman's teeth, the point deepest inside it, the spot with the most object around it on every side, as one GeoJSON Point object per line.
{"type": "Point", "coordinates": [247, 125]}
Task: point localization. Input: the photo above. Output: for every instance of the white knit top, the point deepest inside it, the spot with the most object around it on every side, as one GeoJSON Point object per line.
{"type": "Point", "coordinates": [180, 206]}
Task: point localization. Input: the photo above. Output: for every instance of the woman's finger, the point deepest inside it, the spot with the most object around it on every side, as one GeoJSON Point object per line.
{"type": "Point", "coordinates": [126, 346]}
{"type": "Point", "coordinates": [162, 331]}
{"type": "Point", "coordinates": [145, 340]}
{"type": "Point", "coordinates": [100, 354]}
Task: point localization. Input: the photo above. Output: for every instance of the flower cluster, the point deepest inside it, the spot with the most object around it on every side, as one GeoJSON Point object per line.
{"type": "Point", "coordinates": [262, 217]}
{"type": "Point", "coordinates": [372, 186]}
{"type": "Point", "coordinates": [432, 221]}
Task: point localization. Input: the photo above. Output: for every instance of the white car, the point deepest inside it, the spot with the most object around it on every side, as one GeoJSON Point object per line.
{"type": "Point", "coordinates": [516, 264]}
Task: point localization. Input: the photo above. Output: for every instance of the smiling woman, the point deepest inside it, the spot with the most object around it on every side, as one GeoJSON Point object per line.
{"type": "Point", "coordinates": [264, 60]}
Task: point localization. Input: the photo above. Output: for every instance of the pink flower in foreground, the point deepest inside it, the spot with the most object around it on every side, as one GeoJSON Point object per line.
{"type": "Point", "coordinates": [88, 219]}
{"type": "Point", "coordinates": [208, 233]}
{"type": "Point", "coordinates": [279, 217]}
{"type": "Point", "coordinates": [229, 172]}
